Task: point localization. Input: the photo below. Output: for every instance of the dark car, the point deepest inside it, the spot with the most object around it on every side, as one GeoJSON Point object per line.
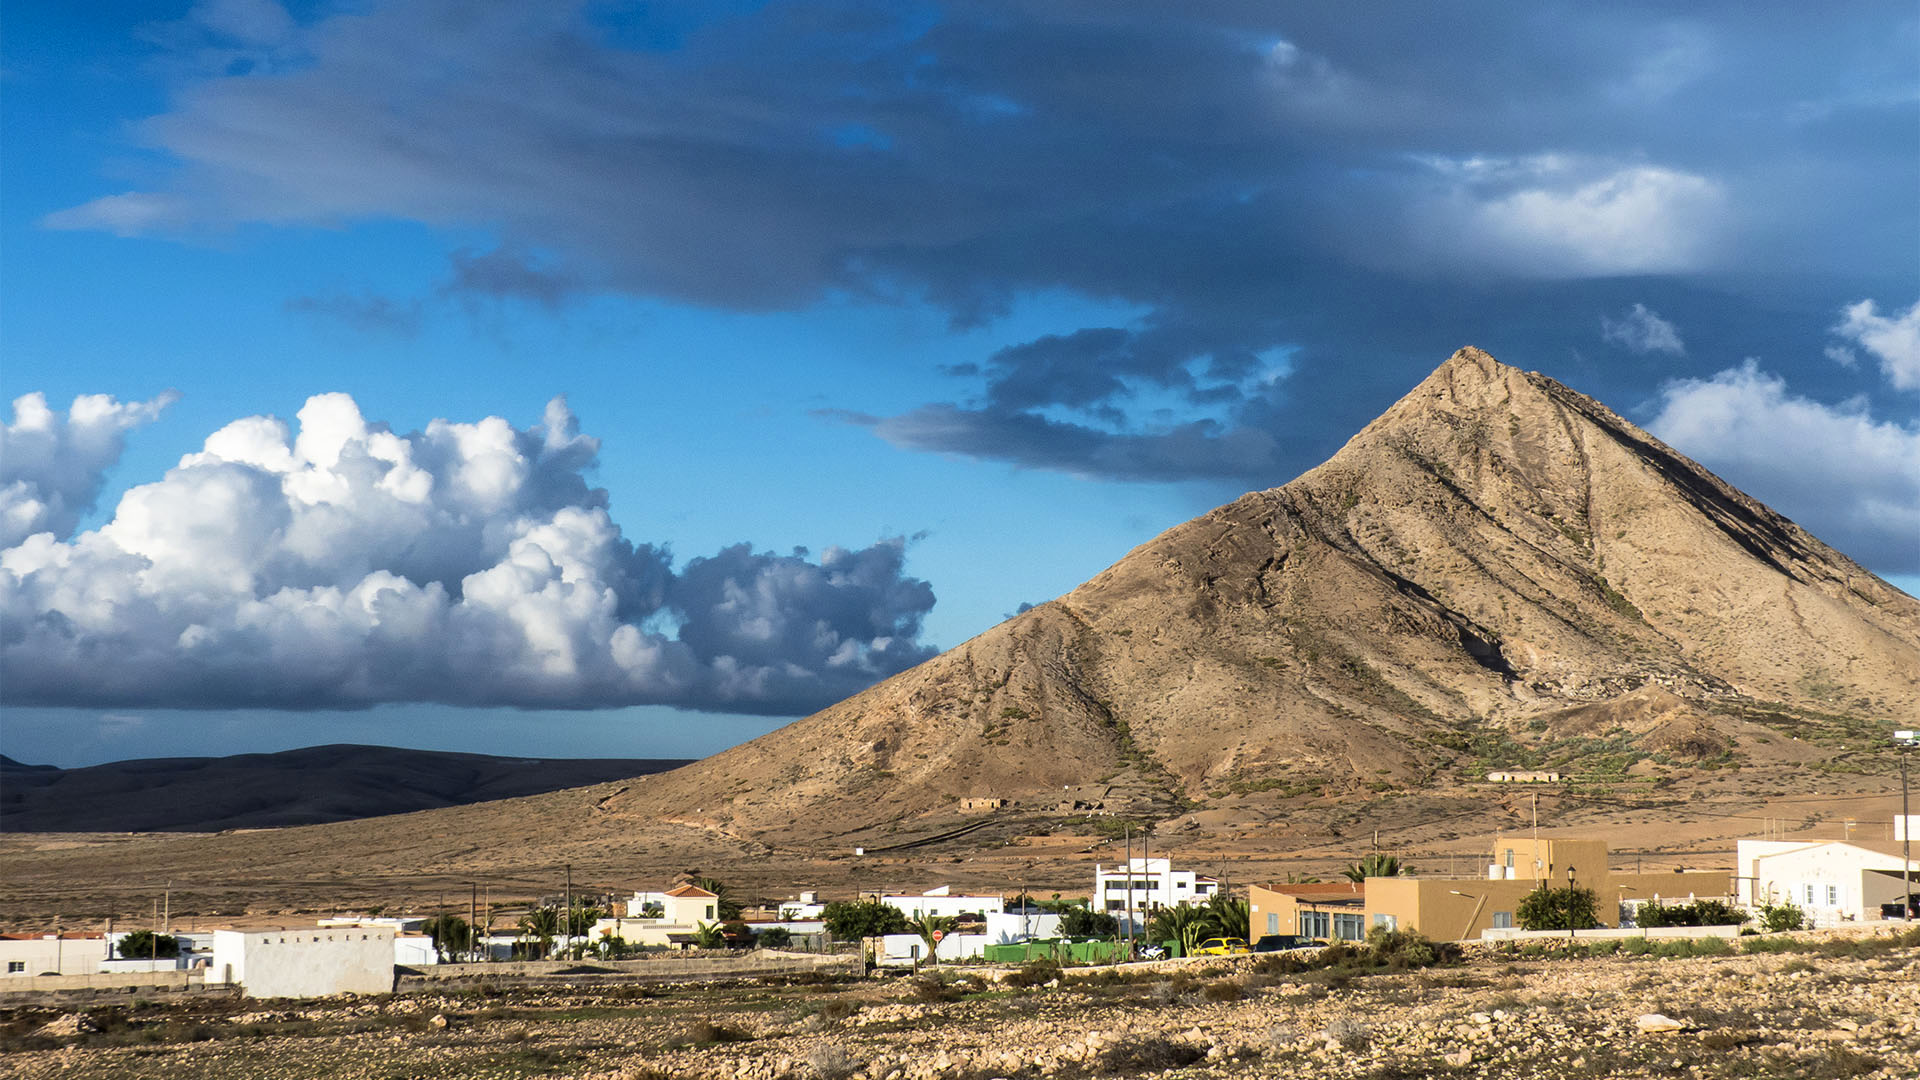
{"type": "Point", "coordinates": [1280, 942]}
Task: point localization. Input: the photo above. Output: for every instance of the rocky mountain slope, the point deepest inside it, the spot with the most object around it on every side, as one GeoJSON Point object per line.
{"type": "Point", "coordinates": [1496, 561]}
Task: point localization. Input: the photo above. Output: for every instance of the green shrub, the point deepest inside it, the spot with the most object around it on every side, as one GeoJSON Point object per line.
{"type": "Point", "coordinates": [1571, 908]}
{"type": "Point", "coordinates": [1603, 947]}
{"type": "Point", "coordinates": [1636, 946]}
{"type": "Point", "coordinates": [1697, 913]}
{"type": "Point", "coordinates": [1782, 916]}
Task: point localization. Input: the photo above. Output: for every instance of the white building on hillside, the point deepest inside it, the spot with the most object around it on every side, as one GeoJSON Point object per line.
{"type": "Point", "coordinates": [308, 961]}
{"type": "Point", "coordinates": [1833, 881]}
{"type": "Point", "coordinates": [1146, 885]}
{"type": "Point", "coordinates": [944, 901]}
{"type": "Point", "coordinates": [47, 954]}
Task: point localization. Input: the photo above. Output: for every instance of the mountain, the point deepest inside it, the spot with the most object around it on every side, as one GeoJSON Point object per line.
{"type": "Point", "coordinates": [1498, 572]}
{"type": "Point", "coordinates": [294, 787]}
{"type": "Point", "coordinates": [1497, 569]}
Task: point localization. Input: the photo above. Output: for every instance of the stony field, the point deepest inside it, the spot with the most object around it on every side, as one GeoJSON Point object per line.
{"type": "Point", "coordinates": [1815, 1006]}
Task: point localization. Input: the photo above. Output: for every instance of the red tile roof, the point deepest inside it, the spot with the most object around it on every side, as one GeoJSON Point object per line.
{"type": "Point", "coordinates": [690, 890]}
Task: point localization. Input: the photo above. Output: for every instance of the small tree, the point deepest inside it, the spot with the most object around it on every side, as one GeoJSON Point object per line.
{"type": "Point", "coordinates": [1084, 922]}
{"type": "Point", "coordinates": [1785, 915]}
{"type": "Point", "coordinates": [1375, 865]}
{"type": "Point", "coordinates": [707, 935]}
{"type": "Point", "coordinates": [147, 945]}
{"type": "Point", "coordinates": [774, 937]}
{"type": "Point", "coordinates": [1571, 908]}
{"type": "Point", "coordinates": [451, 934]}
{"type": "Point", "coordinates": [850, 920]}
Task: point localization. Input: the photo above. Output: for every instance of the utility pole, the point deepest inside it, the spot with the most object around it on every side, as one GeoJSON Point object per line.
{"type": "Point", "coordinates": [473, 916]}
{"type": "Point", "coordinates": [1126, 909]}
{"type": "Point", "coordinates": [167, 910]}
{"type": "Point", "coordinates": [567, 914]}
{"type": "Point", "coordinates": [1906, 740]}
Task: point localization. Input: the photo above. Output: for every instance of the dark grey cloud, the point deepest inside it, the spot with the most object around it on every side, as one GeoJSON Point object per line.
{"type": "Point", "coordinates": [1366, 193]}
{"type": "Point", "coordinates": [366, 312]}
{"type": "Point", "coordinates": [509, 274]}
{"type": "Point", "coordinates": [343, 565]}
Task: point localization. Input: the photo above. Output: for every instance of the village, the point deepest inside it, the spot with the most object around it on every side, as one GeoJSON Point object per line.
{"type": "Point", "coordinates": [1145, 907]}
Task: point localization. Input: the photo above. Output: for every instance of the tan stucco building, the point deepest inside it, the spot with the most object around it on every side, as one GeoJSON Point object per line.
{"type": "Point", "coordinates": [1459, 909]}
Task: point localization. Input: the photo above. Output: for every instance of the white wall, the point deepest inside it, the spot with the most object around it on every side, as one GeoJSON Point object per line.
{"type": "Point", "coordinates": [1848, 882]}
{"type": "Point", "coordinates": [305, 961]}
{"type": "Point", "coordinates": [1009, 929]}
{"type": "Point", "coordinates": [943, 904]}
{"type": "Point", "coordinates": [40, 955]}
{"type": "Point", "coordinates": [897, 950]}
{"type": "Point", "coordinates": [414, 950]}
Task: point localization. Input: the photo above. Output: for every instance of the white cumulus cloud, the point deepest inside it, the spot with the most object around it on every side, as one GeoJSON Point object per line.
{"type": "Point", "coordinates": [337, 563]}
{"type": "Point", "coordinates": [52, 465]}
{"type": "Point", "coordinates": [1811, 461]}
{"type": "Point", "coordinates": [1894, 341]}
{"type": "Point", "coordinates": [1643, 331]}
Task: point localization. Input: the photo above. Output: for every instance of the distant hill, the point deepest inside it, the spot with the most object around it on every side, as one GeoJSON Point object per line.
{"type": "Point", "coordinates": [310, 786]}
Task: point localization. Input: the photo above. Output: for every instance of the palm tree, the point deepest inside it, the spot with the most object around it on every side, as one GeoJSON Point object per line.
{"type": "Point", "coordinates": [1228, 915]}
{"type": "Point", "coordinates": [542, 925]}
{"type": "Point", "coordinates": [1375, 865]}
{"type": "Point", "coordinates": [929, 925]}
{"type": "Point", "coordinates": [707, 935]}
{"type": "Point", "coordinates": [1183, 923]}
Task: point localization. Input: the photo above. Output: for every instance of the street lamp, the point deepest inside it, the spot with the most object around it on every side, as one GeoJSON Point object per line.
{"type": "Point", "coordinates": [1905, 740]}
{"type": "Point", "coordinates": [1478, 903]}
{"type": "Point", "coordinates": [1570, 903]}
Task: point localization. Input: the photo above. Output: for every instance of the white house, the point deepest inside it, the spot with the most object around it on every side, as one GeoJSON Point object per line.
{"type": "Point", "coordinates": [1833, 881]}
{"type": "Point", "coordinates": [680, 913]}
{"type": "Point", "coordinates": [400, 924]}
{"type": "Point", "coordinates": [414, 950]}
{"type": "Point", "coordinates": [945, 902]}
{"type": "Point", "coordinates": [1146, 885]}
{"type": "Point", "coordinates": [48, 954]}
{"type": "Point", "coordinates": [808, 906]}
{"type": "Point", "coordinates": [308, 961]}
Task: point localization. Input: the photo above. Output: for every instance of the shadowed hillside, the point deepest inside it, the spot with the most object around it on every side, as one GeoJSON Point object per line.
{"type": "Point", "coordinates": [309, 786]}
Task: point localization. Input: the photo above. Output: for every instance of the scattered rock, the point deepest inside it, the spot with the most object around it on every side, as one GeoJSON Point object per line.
{"type": "Point", "coordinates": [1655, 1023]}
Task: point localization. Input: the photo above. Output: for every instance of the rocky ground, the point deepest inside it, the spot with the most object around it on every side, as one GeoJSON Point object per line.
{"type": "Point", "coordinates": [1823, 1007]}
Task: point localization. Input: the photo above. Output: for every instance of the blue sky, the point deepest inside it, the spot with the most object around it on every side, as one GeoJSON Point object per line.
{"type": "Point", "coordinates": [872, 321]}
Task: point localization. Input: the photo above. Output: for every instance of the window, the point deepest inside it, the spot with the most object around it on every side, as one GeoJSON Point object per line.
{"type": "Point", "coordinates": [1833, 896]}
{"type": "Point", "coordinates": [1503, 920]}
{"type": "Point", "coordinates": [1389, 921]}
{"type": "Point", "coordinates": [1806, 891]}
{"type": "Point", "coordinates": [16, 967]}
{"type": "Point", "coordinates": [1509, 858]}
{"type": "Point", "coordinates": [1349, 927]}
{"type": "Point", "coordinates": [1313, 924]}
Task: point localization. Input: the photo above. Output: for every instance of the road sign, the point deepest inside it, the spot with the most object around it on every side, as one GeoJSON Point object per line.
{"type": "Point", "coordinates": [937, 935]}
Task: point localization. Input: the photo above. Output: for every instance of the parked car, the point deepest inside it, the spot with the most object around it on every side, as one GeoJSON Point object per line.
{"type": "Point", "coordinates": [1280, 943]}
{"type": "Point", "coordinates": [1222, 946]}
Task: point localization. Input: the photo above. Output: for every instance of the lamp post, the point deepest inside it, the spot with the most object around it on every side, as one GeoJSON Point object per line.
{"type": "Point", "coordinates": [1570, 934]}
{"type": "Point", "coordinates": [1479, 902]}
{"type": "Point", "coordinates": [1905, 740]}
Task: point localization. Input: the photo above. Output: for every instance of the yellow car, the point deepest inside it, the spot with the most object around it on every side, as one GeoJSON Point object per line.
{"type": "Point", "coordinates": [1221, 946]}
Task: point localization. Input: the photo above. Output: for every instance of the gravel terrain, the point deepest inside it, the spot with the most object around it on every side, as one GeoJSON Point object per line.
{"type": "Point", "coordinates": [1826, 1008]}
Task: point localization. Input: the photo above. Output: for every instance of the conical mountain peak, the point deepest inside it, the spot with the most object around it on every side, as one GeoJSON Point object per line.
{"type": "Point", "coordinates": [1492, 556]}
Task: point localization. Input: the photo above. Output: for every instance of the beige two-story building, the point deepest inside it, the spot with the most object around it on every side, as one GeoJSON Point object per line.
{"type": "Point", "coordinates": [1459, 908]}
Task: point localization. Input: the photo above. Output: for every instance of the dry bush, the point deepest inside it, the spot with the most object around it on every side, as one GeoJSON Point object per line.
{"type": "Point", "coordinates": [831, 1061]}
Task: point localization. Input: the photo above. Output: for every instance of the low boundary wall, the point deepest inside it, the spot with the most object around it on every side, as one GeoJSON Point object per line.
{"type": "Point", "coordinates": [175, 979]}
{"type": "Point", "coordinates": [756, 964]}
{"type": "Point", "coordinates": [1655, 933]}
